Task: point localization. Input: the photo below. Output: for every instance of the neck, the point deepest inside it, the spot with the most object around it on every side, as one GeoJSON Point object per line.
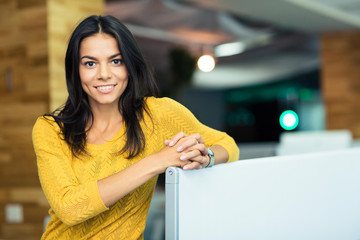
{"type": "Point", "coordinates": [106, 116]}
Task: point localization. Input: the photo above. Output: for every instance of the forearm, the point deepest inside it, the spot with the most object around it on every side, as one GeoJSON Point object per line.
{"type": "Point", "coordinates": [118, 185]}
{"type": "Point", "coordinates": [68, 200]}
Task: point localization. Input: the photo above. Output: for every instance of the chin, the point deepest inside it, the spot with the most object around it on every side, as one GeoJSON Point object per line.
{"type": "Point", "coordinates": [107, 102]}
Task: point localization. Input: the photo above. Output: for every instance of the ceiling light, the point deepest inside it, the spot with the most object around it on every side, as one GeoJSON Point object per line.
{"type": "Point", "coordinates": [206, 63]}
{"type": "Point", "coordinates": [229, 49]}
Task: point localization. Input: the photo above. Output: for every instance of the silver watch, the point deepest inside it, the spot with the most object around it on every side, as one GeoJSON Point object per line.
{"type": "Point", "coordinates": [212, 158]}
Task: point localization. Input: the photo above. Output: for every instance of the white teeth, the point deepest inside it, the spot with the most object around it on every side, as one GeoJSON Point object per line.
{"type": "Point", "coordinates": [105, 87]}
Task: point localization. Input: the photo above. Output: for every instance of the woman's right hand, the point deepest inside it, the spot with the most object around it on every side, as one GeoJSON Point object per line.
{"type": "Point", "coordinates": [170, 157]}
{"type": "Point", "coordinates": [193, 149]}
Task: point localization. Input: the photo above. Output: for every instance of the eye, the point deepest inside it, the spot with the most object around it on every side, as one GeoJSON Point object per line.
{"type": "Point", "coordinates": [117, 61]}
{"type": "Point", "coordinates": [89, 64]}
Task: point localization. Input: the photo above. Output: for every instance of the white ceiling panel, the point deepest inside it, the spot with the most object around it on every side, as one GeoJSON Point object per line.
{"type": "Point", "coordinates": [303, 15]}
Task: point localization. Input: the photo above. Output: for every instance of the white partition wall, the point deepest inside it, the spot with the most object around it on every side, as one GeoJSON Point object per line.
{"type": "Point", "coordinates": [313, 141]}
{"type": "Point", "coordinates": [310, 196]}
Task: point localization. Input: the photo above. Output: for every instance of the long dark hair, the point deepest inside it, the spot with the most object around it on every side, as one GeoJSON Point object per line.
{"type": "Point", "coordinates": [76, 114]}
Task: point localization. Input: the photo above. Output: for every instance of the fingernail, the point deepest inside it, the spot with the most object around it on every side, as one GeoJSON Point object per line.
{"type": "Point", "coordinates": [186, 167]}
{"type": "Point", "coordinates": [179, 148]}
{"type": "Point", "coordinates": [171, 143]}
{"type": "Point", "coordinates": [183, 157]}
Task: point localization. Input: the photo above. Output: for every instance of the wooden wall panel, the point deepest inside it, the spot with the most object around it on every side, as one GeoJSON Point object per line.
{"type": "Point", "coordinates": [23, 97]}
{"type": "Point", "coordinates": [340, 54]}
{"type": "Point", "coordinates": [32, 49]}
{"type": "Point", "coordinates": [70, 12]}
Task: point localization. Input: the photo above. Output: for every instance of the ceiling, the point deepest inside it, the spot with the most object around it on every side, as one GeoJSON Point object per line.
{"type": "Point", "coordinates": [279, 35]}
{"type": "Point", "coordinates": [180, 23]}
{"type": "Point", "coordinates": [302, 15]}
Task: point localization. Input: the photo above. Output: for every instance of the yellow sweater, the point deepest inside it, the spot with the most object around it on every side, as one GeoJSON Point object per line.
{"type": "Point", "coordinates": [70, 184]}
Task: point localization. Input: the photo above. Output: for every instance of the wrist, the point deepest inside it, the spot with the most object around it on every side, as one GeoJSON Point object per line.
{"type": "Point", "coordinates": [153, 165]}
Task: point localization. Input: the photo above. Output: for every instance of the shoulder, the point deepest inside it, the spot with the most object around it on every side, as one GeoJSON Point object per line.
{"type": "Point", "coordinates": [150, 101]}
{"type": "Point", "coordinates": [167, 109]}
{"type": "Point", "coordinates": [162, 104]}
{"type": "Point", "coordinates": [45, 121]}
{"type": "Point", "coordinates": [45, 125]}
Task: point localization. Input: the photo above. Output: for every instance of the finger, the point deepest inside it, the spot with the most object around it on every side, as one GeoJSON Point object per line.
{"type": "Point", "coordinates": [167, 142]}
{"type": "Point", "coordinates": [193, 165]}
{"type": "Point", "coordinates": [192, 140]}
{"type": "Point", "coordinates": [201, 160]}
{"type": "Point", "coordinates": [176, 138]}
{"type": "Point", "coordinates": [198, 137]}
{"type": "Point", "coordinates": [187, 143]}
{"type": "Point", "coordinates": [182, 164]}
{"type": "Point", "coordinates": [202, 148]}
{"type": "Point", "coordinates": [192, 156]}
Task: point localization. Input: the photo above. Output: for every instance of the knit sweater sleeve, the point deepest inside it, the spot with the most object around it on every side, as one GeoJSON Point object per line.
{"type": "Point", "coordinates": [175, 118]}
{"type": "Point", "coordinates": [72, 202]}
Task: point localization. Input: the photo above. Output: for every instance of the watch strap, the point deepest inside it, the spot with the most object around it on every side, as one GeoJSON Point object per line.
{"type": "Point", "coordinates": [212, 158]}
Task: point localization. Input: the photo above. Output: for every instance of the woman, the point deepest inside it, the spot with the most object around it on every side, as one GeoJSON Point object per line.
{"type": "Point", "coordinates": [99, 156]}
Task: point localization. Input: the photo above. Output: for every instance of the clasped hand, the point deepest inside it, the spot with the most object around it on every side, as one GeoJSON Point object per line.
{"type": "Point", "coordinates": [192, 148]}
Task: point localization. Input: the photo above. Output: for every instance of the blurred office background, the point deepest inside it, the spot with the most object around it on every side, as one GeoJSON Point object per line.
{"type": "Point", "coordinates": [271, 57]}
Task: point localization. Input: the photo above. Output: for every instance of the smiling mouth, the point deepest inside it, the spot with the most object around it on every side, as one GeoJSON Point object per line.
{"type": "Point", "coordinates": [105, 89]}
{"type": "Point", "coordinates": [108, 87]}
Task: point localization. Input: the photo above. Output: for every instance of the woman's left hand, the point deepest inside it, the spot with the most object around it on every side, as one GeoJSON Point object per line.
{"type": "Point", "coordinates": [193, 148]}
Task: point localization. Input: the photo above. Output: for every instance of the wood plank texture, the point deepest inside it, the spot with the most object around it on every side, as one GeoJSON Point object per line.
{"type": "Point", "coordinates": [70, 12]}
{"type": "Point", "coordinates": [32, 49]}
{"type": "Point", "coordinates": [23, 97]}
{"type": "Point", "coordinates": [340, 53]}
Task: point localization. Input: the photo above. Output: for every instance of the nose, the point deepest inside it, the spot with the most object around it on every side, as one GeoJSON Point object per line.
{"type": "Point", "coordinates": [104, 72]}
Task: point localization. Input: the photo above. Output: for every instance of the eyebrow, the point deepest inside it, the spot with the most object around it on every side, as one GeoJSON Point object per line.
{"type": "Point", "coordinates": [92, 58]}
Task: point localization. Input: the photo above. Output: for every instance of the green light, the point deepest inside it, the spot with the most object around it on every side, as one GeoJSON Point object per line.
{"type": "Point", "coordinates": [289, 120]}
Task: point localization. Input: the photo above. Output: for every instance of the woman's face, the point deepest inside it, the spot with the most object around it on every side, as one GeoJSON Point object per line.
{"type": "Point", "coordinates": [103, 74]}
